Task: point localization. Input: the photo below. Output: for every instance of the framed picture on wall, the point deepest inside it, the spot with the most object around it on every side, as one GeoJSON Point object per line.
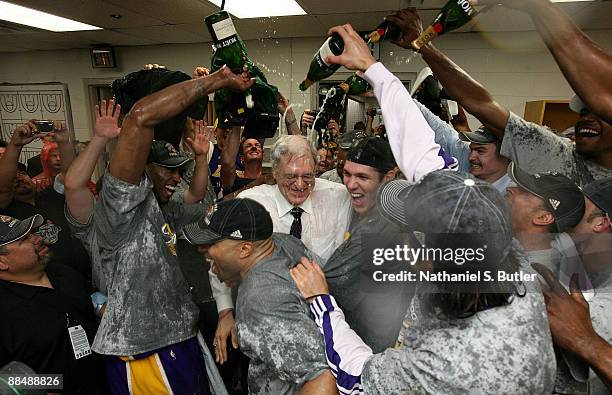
{"type": "Point", "coordinates": [103, 57]}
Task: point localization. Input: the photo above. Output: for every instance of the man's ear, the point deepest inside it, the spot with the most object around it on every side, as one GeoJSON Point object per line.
{"type": "Point", "coordinates": [3, 263]}
{"type": "Point", "coordinates": [602, 224]}
{"type": "Point", "coordinates": [246, 249]}
{"type": "Point", "coordinates": [544, 218]}
{"type": "Point", "coordinates": [390, 175]}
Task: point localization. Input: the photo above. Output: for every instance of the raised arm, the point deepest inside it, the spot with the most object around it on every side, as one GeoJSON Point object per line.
{"type": "Point", "coordinates": [228, 158]}
{"type": "Point", "coordinates": [79, 199]}
{"type": "Point", "coordinates": [457, 83]}
{"type": "Point", "coordinates": [200, 146]}
{"type": "Point", "coordinates": [23, 135]}
{"type": "Point", "coordinates": [65, 146]}
{"type": "Point", "coordinates": [584, 64]}
{"type": "Point", "coordinates": [291, 122]}
{"type": "Point", "coordinates": [411, 138]}
{"type": "Point", "coordinates": [134, 143]}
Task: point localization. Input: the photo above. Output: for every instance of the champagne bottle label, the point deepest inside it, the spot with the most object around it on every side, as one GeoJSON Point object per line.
{"type": "Point", "coordinates": [425, 37]}
{"type": "Point", "coordinates": [224, 29]}
{"type": "Point", "coordinates": [324, 52]}
{"type": "Point", "coordinates": [225, 33]}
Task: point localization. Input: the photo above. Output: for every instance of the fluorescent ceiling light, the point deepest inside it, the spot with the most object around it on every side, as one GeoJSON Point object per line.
{"type": "Point", "coordinates": [260, 8]}
{"type": "Point", "coordinates": [41, 20]}
{"type": "Point", "coordinates": [568, 1]}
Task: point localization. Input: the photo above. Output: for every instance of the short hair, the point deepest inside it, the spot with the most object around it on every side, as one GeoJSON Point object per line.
{"type": "Point", "coordinates": [359, 125]}
{"type": "Point", "coordinates": [3, 143]}
{"type": "Point", "coordinates": [3, 250]}
{"type": "Point", "coordinates": [243, 140]}
{"type": "Point", "coordinates": [294, 145]}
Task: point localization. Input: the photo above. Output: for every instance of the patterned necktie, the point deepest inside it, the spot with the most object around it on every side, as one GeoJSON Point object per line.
{"type": "Point", "coordinates": [296, 226]}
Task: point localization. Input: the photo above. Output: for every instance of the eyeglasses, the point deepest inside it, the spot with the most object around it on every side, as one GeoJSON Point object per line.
{"type": "Point", "coordinates": [291, 179]}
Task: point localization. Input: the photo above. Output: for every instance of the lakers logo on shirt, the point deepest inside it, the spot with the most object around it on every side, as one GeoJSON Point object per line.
{"type": "Point", "coordinates": [170, 238]}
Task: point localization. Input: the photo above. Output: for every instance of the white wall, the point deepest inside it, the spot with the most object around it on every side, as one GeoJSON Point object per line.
{"type": "Point", "coordinates": [515, 67]}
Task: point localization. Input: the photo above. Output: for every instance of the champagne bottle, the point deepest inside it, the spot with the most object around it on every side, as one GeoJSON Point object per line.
{"type": "Point", "coordinates": [257, 108]}
{"type": "Point", "coordinates": [453, 15]}
{"type": "Point", "coordinates": [229, 48]}
{"type": "Point", "coordinates": [385, 31]}
{"type": "Point", "coordinates": [319, 69]}
{"type": "Point", "coordinates": [355, 85]}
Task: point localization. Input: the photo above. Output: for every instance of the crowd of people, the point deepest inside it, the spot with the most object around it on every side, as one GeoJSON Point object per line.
{"type": "Point", "coordinates": [189, 268]}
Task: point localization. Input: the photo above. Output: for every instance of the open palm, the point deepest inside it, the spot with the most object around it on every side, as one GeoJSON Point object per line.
{"type": "Point", "coordinates": [107, 119]}
{"type": "Point", "coordinates": [200, 144]}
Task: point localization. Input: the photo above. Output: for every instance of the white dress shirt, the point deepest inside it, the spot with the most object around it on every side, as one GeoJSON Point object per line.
{"type": "Point", "coordinates": [326, 216]}
{"type": "Point", "coordinates": [325, 221]}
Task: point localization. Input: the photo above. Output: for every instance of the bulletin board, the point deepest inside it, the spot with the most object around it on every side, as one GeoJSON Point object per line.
{"type": "Point", "coordinates": [21, 102]}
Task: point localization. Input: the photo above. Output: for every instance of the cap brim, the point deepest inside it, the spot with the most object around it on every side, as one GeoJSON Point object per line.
{"type": "Point", "coordinates": [391, 200]}
{"type": "Point", "coordinates": [24, 227]}
{"type": "Point", "coordinates": [196, 235]}
{"type": "Point", "coordinates": [523, 179]}
{"type": "Point", "coordinates": [473, 137]}
{"type": "Point", "coordinates": [423, 74]}
{"type": "Point", "coordinates": [576, 104]}
{"type": "Point", "coordinates": [174, 162]}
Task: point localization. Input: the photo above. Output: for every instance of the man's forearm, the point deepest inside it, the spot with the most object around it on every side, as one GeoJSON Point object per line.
{"type": "Point", "coordinates": [66, 149]}
{"type": "Point", "coordinates": [291, 123]}
{"type": "Point", "coordinates": [80, 171]}
{"type": "Point", "coordinates": [136, 135]}
{"type": "Point", "coordinates": [79, 199]}
{"type": "Point", "coordinates": [467, 91]}
{"type": "Point", "coordinates": [228, 158]}
{"type": "Point", "coordinates": [199, 181]}
{"type": "Point", "coordinates": [585, 65]}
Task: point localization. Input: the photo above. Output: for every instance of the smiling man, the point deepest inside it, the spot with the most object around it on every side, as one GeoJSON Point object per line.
{"type": "Point", "coordinates": [369, 164]}
{"type": "Point", "coordinates": [314, 210]}
{"type": "Point", "coordinates": [531, 146]}
{"type": "Point", "coordinates": [273, 323]}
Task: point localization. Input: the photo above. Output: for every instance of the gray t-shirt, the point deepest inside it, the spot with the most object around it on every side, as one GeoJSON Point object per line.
{"type": "Point", "coordinates": [538, 149]}
{"type": "Point", "coordinates": [133, 241]}
{"type": "Point", "coordinates": [274, 325]}
{"type": "Point", "coordinates": [374, 310]}
{"type": "Point", "coordinates": [503, 350]}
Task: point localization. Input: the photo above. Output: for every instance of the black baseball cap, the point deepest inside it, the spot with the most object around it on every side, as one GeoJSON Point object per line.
{"type": "Point", "coordinates": [164, 154]}
{"type": "Point", "coordinates": [600, 193]}
{"type": "Point", "coordinates": [373, 152]}
{"type": "Point", "coordinates": [12, 229]}
{"type": "Point", "coordinates": [563, 198]}
{"type": "Point", "coordinates": [445, 202]}
{"type": "Point", "coordinates": [350, 138]}
{"type": "Point", "coordinates": [237, 219]}
{"type": "Point", "coordinates": [481, 135]}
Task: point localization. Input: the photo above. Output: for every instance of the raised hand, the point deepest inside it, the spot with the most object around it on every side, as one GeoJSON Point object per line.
{"type": "Point", "coordinates": [283, 103]}
{"type": "Point", "coordinates": [200, 72]}
{"type": "Point", "coordinates": [237, 82]}
{"type": "Point", "coordinates": [356, 54]}
{"type": "Point", "coordinates": [60, 132]}
{"type": "Point", "coordinates": [200, 144]}
{"type": "Point", "coordinates": [25, 134]}
{"type": "Point", "coordinates": [107, 119]}
{"type": "Point", "coordinates": [410, 24]}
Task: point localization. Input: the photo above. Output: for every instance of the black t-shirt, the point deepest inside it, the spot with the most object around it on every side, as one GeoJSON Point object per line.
{"type": "Point", "coordinates": [239, 182]}
{"type": "Point", "coordinates": [34, 329]}
{"type": "Point", "coordinates": [66, 250]}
